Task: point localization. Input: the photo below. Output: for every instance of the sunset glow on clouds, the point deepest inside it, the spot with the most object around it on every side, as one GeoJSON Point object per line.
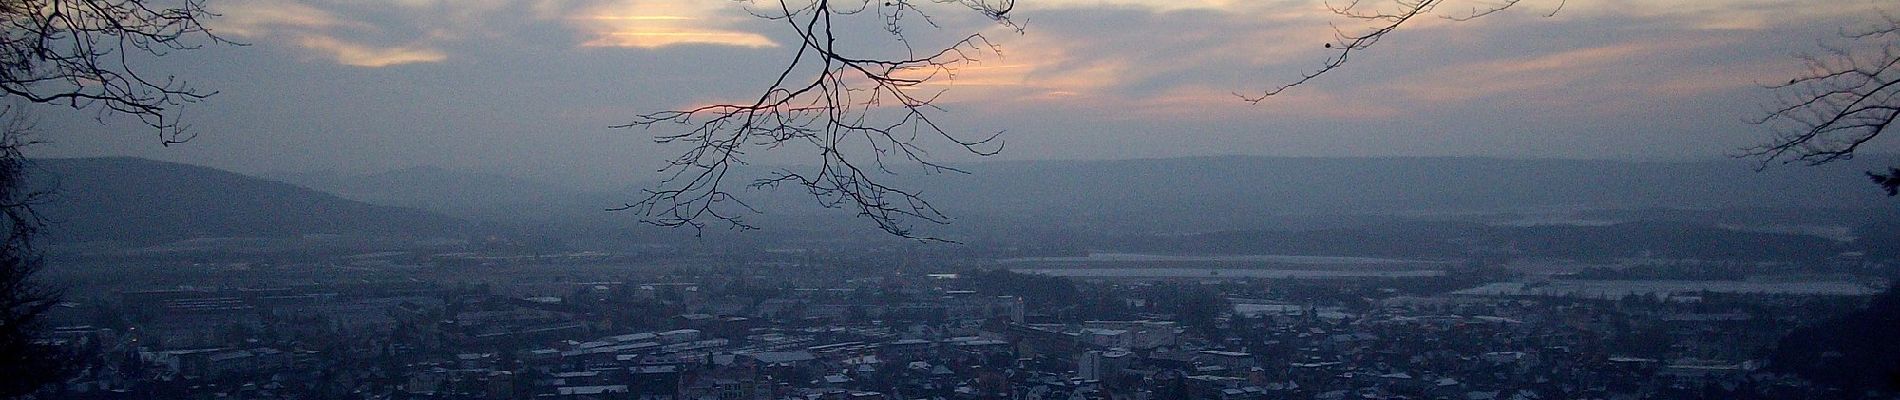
{"type": "Point", "coordinates": [1093, 47]}
{"type": "Point", "coordinates": [370, 34]}
{"type": "Point", "coordinates": [317, 31]}
{"type": "Point", "coordinates": [1096, 71]}
{"type": "Point", "coordinates": [657, 24]}
{"type": "Point", "coordinates": [358, 55]}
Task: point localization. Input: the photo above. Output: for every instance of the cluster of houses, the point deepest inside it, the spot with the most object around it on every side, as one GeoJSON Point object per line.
{"type": "Point", "coordinates": [408, 341]}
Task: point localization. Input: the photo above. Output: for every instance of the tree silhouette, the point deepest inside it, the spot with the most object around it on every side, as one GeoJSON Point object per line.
{"type": "Point", "coordinates": [1849, 95]}
{"type": "Point", "coordinates": [860, 110]}
{"type": "Point", "coordinates": [1889, 181]}
{"type": "Point", "coordinates": [1370, 23]}
{"type": "Point", "coordinates": [27, 363]}
{"type": "Point", "coordinates": [83, 54]}
{"type": "Point", "coordinates": [80, 54]}
{"type": "Point", "coordinates": [863, 113]}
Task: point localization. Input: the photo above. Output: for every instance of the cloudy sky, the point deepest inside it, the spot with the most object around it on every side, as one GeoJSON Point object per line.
{"type": "Point", "coordinates": [530, 87]}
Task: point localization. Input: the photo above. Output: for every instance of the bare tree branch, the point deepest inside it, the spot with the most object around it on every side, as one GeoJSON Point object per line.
{"type": "Point", "coordinates": [80, 54]}
{"type": "Point", "coordinates": [1846, 97]}
{"type": "Point", "coordinates": [23, 300]}
{"type": "Point", "coordinates": [83, 54]}
{"type": "Point", "coordinates": [1849, 95]}
{"type": "Point", "coordinates": [1377, 24]}
{"type": "Point", "coordinates": [861, 112]}
{"type": "Point", "coordinates": [874, 105]}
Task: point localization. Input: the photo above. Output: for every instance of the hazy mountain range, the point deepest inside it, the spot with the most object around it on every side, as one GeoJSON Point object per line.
{"type": "Point", "coordinates": [1233, 192]}
{"type": "Point", "coordinates": [142, 200]}
{"type": "Point", "coordinates": [139, 201]}
{"type": "Point", "coordinates": [471, 195]}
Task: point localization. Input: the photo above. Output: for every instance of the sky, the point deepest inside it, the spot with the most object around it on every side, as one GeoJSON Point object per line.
{"type": "Point", "coordinates": [531, 88]}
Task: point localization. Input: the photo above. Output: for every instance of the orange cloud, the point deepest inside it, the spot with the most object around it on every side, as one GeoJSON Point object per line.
{"type": "Point", "coordinates": [316, 30]}
{"type": "Point", "coordinates": [657, 38]}
{"type": "Point", "coordinates": [360, 55]}
{"type": "Point", "coordinates": [1719, 14]}
{"type": "Point", "coordinates": [253, 19]}
{"type": "Point", "coordinates": [1544, 73]}
{"type": "Point", "coordinates": [1047, 71]}
{"type": "Point", "coordinates": [657, 24]}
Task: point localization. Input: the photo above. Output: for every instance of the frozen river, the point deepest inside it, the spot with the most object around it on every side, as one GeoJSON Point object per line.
{"type": "Point", "coordinates": [1163, 258]}
{"type": "Point", "coordinates": [1226, 273]}
{"type": "Point", "coordinates": [1606, 289]}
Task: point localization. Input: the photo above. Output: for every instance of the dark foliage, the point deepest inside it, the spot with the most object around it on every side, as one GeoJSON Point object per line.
{"type": "Point", "coordinates": [79, 54]}
{"type": "Point", "coordinates": [25, 364]}
{"type": "Point", "coordinates": [1856, 351]}
{"type": "Point", "coordinates": [1199, 309]}
{"type": "Point", "coordinates": [1889, 181]}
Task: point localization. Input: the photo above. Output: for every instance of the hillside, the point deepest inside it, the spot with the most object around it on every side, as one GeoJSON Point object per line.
{"type": "Point", "coordinates": [1206, 194]}
{"type": "Point", "coordinates": [1644, 239]}
{"type": "Point", "coordinates": [143, 202]}
{"type": "Point", "coordinates": [470, 195]}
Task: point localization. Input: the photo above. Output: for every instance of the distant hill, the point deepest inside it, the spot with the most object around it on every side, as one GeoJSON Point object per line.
{"type": "Point", "coordinates": [471, 195]}
{"type": "Point", "coordinates": [143, 201]}
{"type": "Point", "coordinates": [1645, 239]}
{"type": "Point", "coordinates": [1205, 194]}
{"type": "Point", "coordinates": [1374, 185]}
{"type": "Point", "coordinates": [1199, 194]}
